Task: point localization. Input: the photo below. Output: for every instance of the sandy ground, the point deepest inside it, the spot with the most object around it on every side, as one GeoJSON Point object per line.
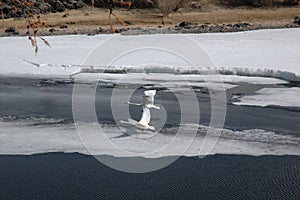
{"type": "Point", "coordinates": [88, 19]}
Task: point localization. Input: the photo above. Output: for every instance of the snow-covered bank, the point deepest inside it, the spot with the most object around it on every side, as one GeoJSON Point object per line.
{"type": "Point", "coordinates": [272, 53]}
{"type": "Point", "coordinates": [255, 50]}
{"type": "Point", "coordinates": [44, 135]}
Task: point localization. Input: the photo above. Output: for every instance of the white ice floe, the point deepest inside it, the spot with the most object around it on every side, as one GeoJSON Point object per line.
{"type": "Point", "coordinates": [213, 82]}
{"type": "Point", "coordinates": [273, 53]}
{"type": "Point", "coordinates": [42, 136]}
{"type": "Point", "coordinates": [289, 97]}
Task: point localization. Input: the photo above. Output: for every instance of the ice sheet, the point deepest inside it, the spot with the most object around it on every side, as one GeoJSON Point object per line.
{"type": "Point", "coordinates": [43, 135]}
{"type": "Point", "coordinates": [213, 82]}
{"type": "Point", "coordinates": [273, 53]}
{"type": "Point", "coordinates": [289, 97]}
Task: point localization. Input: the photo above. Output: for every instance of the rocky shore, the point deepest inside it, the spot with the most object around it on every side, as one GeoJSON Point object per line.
{"type": "Point", "coordinates": [184, 28]}
{"type": "Point", "coordinates": [17, 8]}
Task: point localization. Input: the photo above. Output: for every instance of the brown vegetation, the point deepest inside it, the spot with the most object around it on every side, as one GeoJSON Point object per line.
{"type": "Point", "coordinates": [111, 6]}
{"type": "Point", "coordinates": [208, 11]}
{"type": "Point", "coordinates": [127, 4]}
{"type": "Point", "coordinates": [166, 7]}
{"type": "Point", "coordinates": [2, 15]}
{"type": "Point", "coordinates": [33, 25]}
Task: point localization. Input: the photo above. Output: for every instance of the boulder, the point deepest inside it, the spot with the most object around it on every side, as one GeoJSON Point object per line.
{"type": "Point", "coordinates": [128, 23]}
{"type": "Point", "coordinates": [10, 30]}
{"type": "Point", "coordinates": [62, 26]}
{"type": "Point", "coordinates": [183, 24]}
{"type": "Point", "coordinates": [297, 20]}
{"type": "Point", "coordinates": [57, 6]}
{"type": "Point", "coordinates": [16, 9]}
{"type": "Point", "coordinates": [70, 6]}
{"type": "Point", "coordinates": [45, 8]}
{"type": "Point", "coordinates": [52, 30]}
{"type": "Point", "coordinates": [79, 4]}
{"type": "Point", "coordinates": [11, 14]}
{"type": "Point", "coordinates": [195, 4]}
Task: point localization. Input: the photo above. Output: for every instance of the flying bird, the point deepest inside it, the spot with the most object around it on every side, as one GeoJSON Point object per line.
{"type": "Point", "coordinates": [144, 121]}
{"type": "Point", "coordinates": [148, 103]}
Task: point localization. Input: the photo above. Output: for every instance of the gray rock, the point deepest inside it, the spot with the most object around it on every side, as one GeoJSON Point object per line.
{"type": "Point", "coordinates": [184, 24]}
{"type": "Point", "coordinates": [52, 30]}
{"type": "Point", "coordinates": [10, 30]}
{"type": "Point", "coordinates": [128, 23]}
{"type": "Point", "coordinates": [45, 7]}
{"type": "Point", "coordinates": [57, 6]}
{"type": "Point", "coordinates": [63, 26]}
{"type": "Point", "coordinates": [297, 20]}
{"type": "Point", "coordinates": [12, 14]}
{"type": "Point", "coordinates": [79, 4]}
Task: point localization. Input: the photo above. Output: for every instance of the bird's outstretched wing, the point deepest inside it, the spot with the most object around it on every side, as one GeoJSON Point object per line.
{"type": "Point", "coordinates": [135, 104]}
{"type": "Point", "coordinates": [146, 116]}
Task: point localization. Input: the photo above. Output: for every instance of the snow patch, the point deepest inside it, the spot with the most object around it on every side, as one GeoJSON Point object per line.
{"type": "Point", "coordinates": [265, 53]}
{"type": "Point", "coordinates": [288, 97]}
{"type": "Point", "coordinates": [31, 136]}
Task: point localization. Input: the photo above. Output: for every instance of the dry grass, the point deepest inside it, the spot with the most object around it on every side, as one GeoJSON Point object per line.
{"type": "Point", "coordinates": [259, 16]}
{"type": "Point", "coordinates": [94, 18]}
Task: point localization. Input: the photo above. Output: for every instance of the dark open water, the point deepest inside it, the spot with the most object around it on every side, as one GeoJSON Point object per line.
{"type": "Point", "coordinates": [75, 176]}
{"type": "Point", "coordinates": [24, 98]}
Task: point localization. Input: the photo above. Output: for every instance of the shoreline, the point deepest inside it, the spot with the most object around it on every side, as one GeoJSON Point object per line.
{"type": "Point", "coordinates": [189, 28]}
{"type": "Point", "coordinates": [149, 21]}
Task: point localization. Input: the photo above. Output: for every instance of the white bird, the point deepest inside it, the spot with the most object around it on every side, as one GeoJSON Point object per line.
{"type": "Point", "coordinates": [148, 103]}
{"type": "Point", "coordinates": [148, 99]}
{"type": "Point", "coordinates": [144, 121]}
